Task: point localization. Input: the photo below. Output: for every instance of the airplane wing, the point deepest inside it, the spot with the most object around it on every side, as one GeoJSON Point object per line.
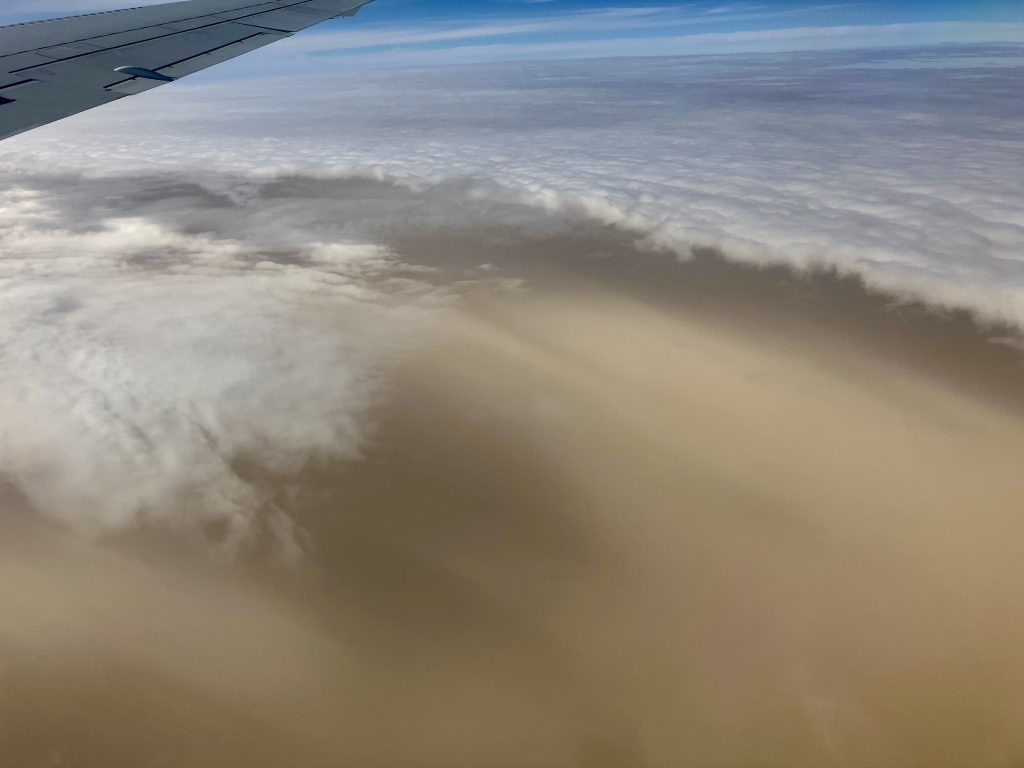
{"type": "Point", "coordinates": [52, 69]}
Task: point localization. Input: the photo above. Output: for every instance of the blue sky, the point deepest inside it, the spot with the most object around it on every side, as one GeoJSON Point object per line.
{"type": "Point", "coordinates": [461, 31]}
{"type": "Point", "coordinates": [730, 14]}
{"type": "Point", "coordinates": [419, 32]}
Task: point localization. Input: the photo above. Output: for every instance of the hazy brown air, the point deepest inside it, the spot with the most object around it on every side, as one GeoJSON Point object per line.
{"type": "Point", "coordinates": [627, 512]}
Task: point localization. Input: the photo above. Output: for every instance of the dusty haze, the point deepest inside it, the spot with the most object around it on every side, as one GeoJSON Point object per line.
{"type": "Point", "coordinates": [616, 511]}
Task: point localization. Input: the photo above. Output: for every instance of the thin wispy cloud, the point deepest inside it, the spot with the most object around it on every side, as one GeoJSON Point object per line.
{"type": "Point", "coordinates": [351, 49]}
{"type": "Point", "coordinates": [412, 34]}
{"type": "Point", "coordinates": [612, 24]}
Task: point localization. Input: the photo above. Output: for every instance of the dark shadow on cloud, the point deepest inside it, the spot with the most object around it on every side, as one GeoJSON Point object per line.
{"type": "Point", "coordinates": [457, 227]}
{"type": "Point", "coordinates": [953, 344]}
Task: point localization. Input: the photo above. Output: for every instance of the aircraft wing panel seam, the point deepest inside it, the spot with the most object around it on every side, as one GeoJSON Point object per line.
{"type": "Point", "coordinates": [52, 74]}
{"type": "Point", "coordinates": [295, 4]}
{"type": "Point", "coordinates": [201, 53]}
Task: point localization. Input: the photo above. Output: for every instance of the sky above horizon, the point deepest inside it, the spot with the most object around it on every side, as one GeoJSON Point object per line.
{"type": "Point", "coordinates": [415, 32]}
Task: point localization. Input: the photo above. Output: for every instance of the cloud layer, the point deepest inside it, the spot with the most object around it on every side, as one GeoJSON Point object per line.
{"type": "Point", "coordinates": [194, 281]}
{"type": "Point", "coordinates": [902, 165]}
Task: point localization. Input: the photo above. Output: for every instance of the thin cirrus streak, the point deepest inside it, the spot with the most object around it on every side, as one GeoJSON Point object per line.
{"type": "Point", "coordinates": [615, 23]}
{"type": "Point", "coordinates": [139, 344]}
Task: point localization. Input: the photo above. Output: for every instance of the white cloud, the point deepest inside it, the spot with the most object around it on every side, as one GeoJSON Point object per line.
{"type": "Point", "coordinates": [909, 176]}
{"type": "Point", "coordinates": [141, 364]}
{"type": "Point", "coordinates": [160, 324]}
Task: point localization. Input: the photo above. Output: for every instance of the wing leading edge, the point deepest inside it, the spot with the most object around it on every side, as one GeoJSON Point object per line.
{"type": "Point", "coordinates": [53, 69]}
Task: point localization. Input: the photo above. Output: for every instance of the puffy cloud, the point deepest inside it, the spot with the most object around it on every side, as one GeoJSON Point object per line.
{"type": "Point", "coordinates": [182, 347]}
{"type": "Point", "coordinates": [149, 364]}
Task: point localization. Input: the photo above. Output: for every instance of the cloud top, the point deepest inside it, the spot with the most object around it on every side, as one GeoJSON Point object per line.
{"type": "Point", "coordinates": [900, 164]}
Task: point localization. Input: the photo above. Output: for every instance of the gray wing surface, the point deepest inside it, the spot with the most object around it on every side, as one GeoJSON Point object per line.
{"type": "Point", "coordinates": [53, 69]}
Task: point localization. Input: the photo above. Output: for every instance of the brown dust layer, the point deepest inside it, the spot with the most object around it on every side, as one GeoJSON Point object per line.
{"type": "Point", "coordinates": [697, 516]}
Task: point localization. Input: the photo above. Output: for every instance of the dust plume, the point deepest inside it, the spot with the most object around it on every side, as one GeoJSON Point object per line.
{"type": "Point", "coordinates": [600, 525]}
{"type": "Point", "coordinates": [441, 427]}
